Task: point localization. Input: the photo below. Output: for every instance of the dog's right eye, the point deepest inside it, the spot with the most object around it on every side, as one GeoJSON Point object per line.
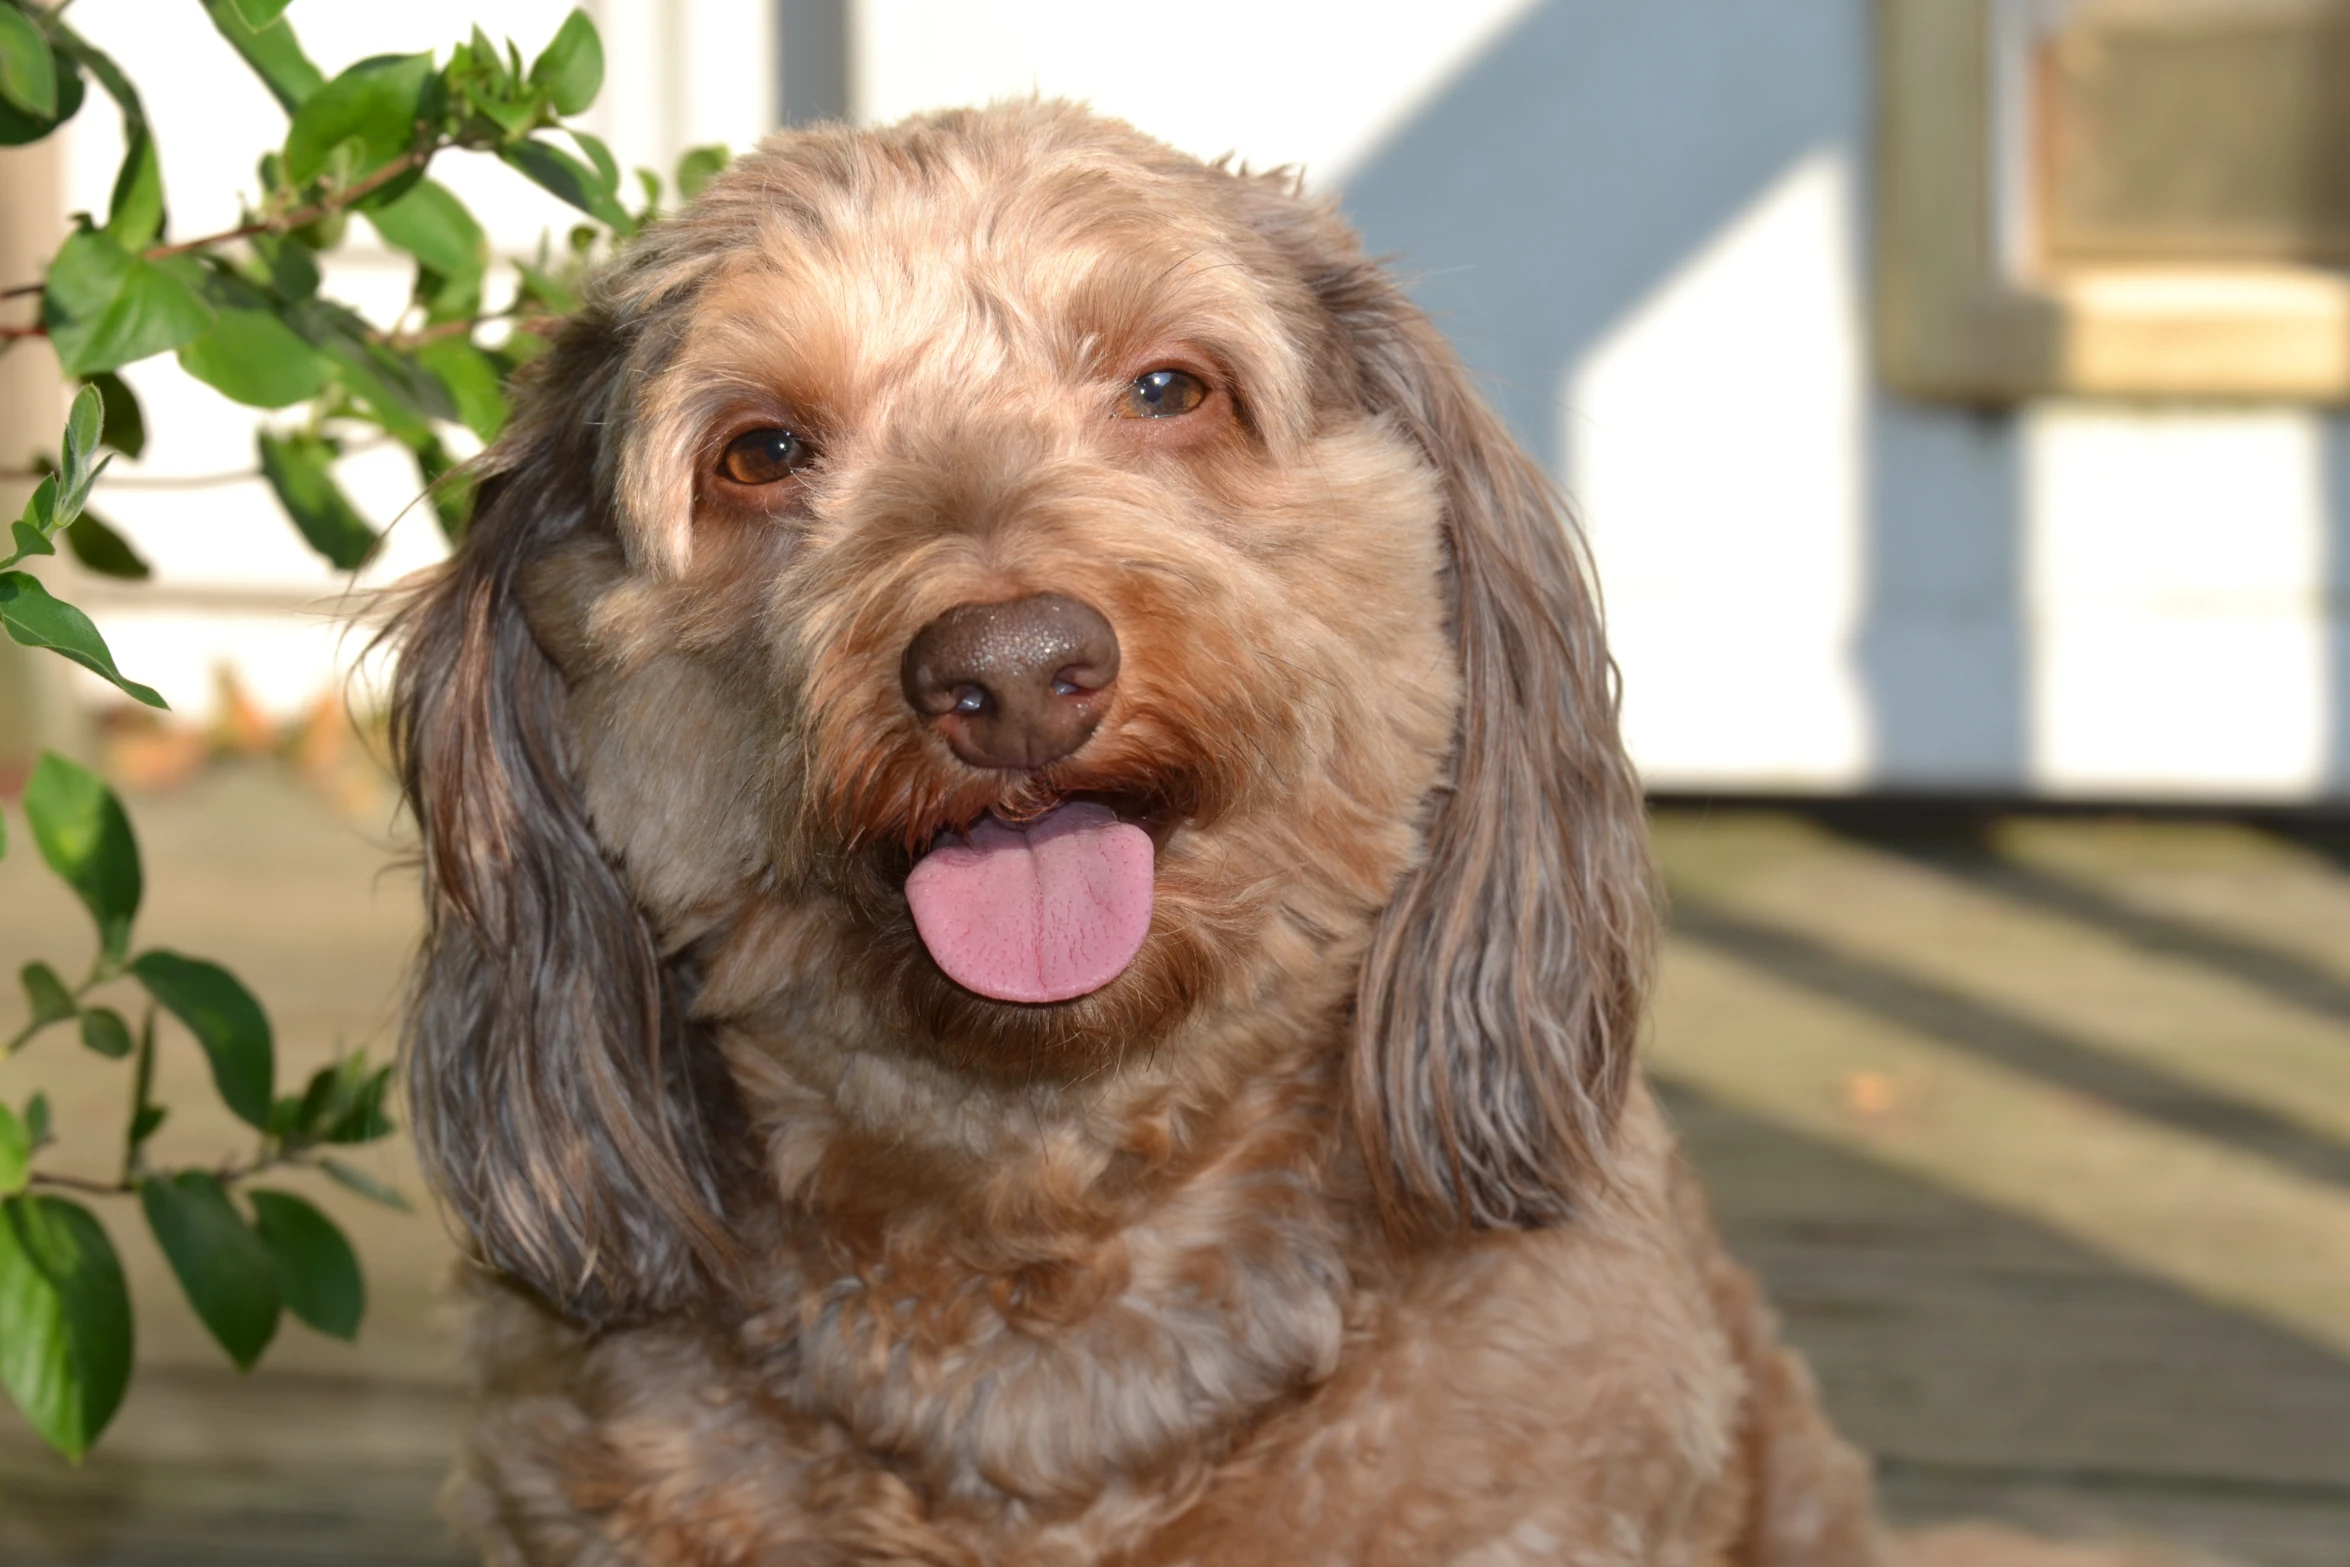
{"type": "Point", "coordinates": [764, 456]}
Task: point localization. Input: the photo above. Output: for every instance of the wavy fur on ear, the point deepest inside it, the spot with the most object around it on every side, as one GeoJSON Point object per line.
{"type": "Point", "coordinates": [561, 1105]}
{"type": "Point", "coordinates": [1503, 989]}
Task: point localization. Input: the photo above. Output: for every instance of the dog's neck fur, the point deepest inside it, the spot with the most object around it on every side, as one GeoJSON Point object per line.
{"type": "Point", "coordinates": [1080, 1281]}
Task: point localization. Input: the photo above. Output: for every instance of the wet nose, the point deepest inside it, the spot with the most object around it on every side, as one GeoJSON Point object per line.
{"type": "Point", "coordinates": [1018, 684]}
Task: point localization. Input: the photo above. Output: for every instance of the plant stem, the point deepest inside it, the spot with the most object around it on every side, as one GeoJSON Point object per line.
{"type": "Point", "coordinates": [142, 1081]}
{"type": "Point", "coordinates": [325, 205]}
{"type": "Point", "coordinates": [74, 1183]}
{"type": "Point", "coordinates": [522, 321]}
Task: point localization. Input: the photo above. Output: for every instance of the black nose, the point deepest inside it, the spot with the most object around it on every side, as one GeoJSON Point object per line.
{"type": "Point", "coordinates": [1013, 685]}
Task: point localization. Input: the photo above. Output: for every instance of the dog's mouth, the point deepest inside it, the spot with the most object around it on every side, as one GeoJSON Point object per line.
{"type": "Point", "coordinates": [1037, 908]}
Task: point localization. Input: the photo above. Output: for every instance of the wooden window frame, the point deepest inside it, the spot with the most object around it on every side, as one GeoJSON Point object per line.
{"type": "Point", "coordinates": [1958, 318]}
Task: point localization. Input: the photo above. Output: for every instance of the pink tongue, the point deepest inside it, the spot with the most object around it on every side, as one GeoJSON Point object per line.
{"type": "Point", "coordinates": [1045, 912]}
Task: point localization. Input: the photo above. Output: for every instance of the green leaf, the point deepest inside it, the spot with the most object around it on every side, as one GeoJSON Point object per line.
{"type": "Point", "coordinates": [36, 1118]}
{"type": "Point", "coordinates": [251, 356]}
{"type": "Point", "coordinates": [491, 91]}
{"type": "Point", "coordinates": [222, 1264]}
{"type": "Point", "coordinates": [553, 169]}
{"type": "Point", "coordinates": [260, 13]}
{"type": "Point", "coordinates": [298, 468]}
{"type": "Point", "coordinates": [104, 1031]}
{"type": "Point", "coordinates": [65, 1320]}
{"type": "Point", "coordinates": [101, 549]}
{"type": "Point", "coordinates": [321, 1097]}
{"type": "Point", "coordinates": [432, 225]}
{"type": "Point", "coordinates": [30, 533]}
{"type": "Point", "coordinates": [226, 1021]}
{"type": "Point", "coordinates": [342, 1103]}
{"type": "Point", "coordinates": [400, 393]}
{"type": "Point", "coordinates": [146, 1122]}
{"type": "Point", "coordinates": [599, 158]}
{"type": "Point", "coordinates": [110, 76]}
{"type": "Point", "coordinates": [86, 839]}
{"type": "Point", "coordinates": [85, 426]}
{"type": "Point", "coordinates": [394, 389]}
{"type": "Point", "coordinates": [269, 48]}
{"type": "Point", "coordinates": [47, 1000]}
{"type": "Point", "coordinates": [292, 266]}
{"type": "Point", "coordinates": [374, 106]}
{"type": "Point", "coordinates": [16, 1153]}
{"type": "Point", "coordinates": [28, 71]}
{"type": "Point", "coordinates": [571, 69]}
{"type": "Point", "coordinates": [135, 216]}
{"type": "Point", "coordinates": [317, 1272]}
{"type": "Point", "coordinates": [363, 1118]}
{"type": "Point", "coordinates": [17, 127]}
{"type": "Point", "coordinates": [351, 1178]}
{"type": "Point", "coordinates": [105, 307]}
{"type": "Point", "coordinates": [33, 618]}
{"type": "Point", "coordinates": [482, 55]}
{"type": "Point", "coordinates": [121, 423]}
{"type": "Point", "coordinates": [698, 168]}
{"type": "Point", "coordinates": [472, 381]}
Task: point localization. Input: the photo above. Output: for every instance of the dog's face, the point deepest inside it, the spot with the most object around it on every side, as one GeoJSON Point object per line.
{"type": "Point", "coordinates": [1006, 589]}
{"type": "Point", "coordinates": [1036, 603]}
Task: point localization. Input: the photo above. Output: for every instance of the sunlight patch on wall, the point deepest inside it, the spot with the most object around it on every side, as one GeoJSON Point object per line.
{"type": "Point", "coordinates": [2174, 568]}
{"type": "Point", "coordinates": [1714, 450]}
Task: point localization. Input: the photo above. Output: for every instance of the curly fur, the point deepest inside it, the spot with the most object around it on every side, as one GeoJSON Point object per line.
{"type": "Point", "coordinates": [1338, 1227]}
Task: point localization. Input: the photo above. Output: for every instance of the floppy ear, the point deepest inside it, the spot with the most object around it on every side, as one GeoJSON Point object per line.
{"type": "Point", "coordinates": [562, 1107]}
{"type": "Point", "coordinates": [1504, 986]}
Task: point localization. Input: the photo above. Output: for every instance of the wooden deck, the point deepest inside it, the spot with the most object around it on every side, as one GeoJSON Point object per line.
{"type": "Point", "coordinates": [2038, 1129]}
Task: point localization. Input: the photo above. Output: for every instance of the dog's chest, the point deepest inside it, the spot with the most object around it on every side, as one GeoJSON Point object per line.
{"type": "Point", "coordinates": [1039, 1388]}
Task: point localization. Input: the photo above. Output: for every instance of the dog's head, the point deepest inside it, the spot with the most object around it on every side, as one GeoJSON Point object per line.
{"type": "Point", "coordinates": [1024, 600]}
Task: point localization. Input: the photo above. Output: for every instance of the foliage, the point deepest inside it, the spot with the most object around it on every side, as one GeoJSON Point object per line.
{"type": "Point", "coordinates": [65, 1323]}
{"type": "Point", "coordinates": [245, 312]}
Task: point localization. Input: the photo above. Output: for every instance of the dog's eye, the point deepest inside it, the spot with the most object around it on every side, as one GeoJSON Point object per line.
{"type": "Point", "coordinates": [1162, 394]}
{"type": "Point", "coordinates": [764, 456]}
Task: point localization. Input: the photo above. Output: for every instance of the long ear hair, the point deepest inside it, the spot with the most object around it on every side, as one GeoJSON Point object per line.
{"type": "Point", "coordinates": [1500, 999]}
{"type": "Point", "coordinates": [562, 1107]}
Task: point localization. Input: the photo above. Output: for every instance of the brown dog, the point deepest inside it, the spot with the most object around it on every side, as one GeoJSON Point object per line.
{"type": "Point", "coordinates": [1037, 918]}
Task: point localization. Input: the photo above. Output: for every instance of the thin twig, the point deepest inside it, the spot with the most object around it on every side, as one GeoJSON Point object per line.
{"type": "Point", "coordinates": [439, 330]}
{"type": "Point", "coordinates": [301, 215]}
{"type": "Point", "coordinates": [75, 1183]}
{"type": "Point", "coordinates": [320, 208]}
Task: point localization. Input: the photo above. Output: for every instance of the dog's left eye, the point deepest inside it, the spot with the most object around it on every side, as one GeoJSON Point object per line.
{"type": "Point", "coordinates": [1162, 394]}
{"type": "Point", "coordinates": [764, 456]}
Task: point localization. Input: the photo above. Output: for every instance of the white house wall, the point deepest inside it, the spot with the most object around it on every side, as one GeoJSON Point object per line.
{"type": "Point", "coordinates": [1644, 223]}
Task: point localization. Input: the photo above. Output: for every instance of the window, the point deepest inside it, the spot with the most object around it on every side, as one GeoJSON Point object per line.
{"type": "Point", "coordinates": [2126, 197]}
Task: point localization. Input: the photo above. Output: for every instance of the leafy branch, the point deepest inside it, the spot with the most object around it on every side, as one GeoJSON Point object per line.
{"type": "Point", "coordinates": [244, 311]}
{"type": "Point", "coordinates": [67, 1351]}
